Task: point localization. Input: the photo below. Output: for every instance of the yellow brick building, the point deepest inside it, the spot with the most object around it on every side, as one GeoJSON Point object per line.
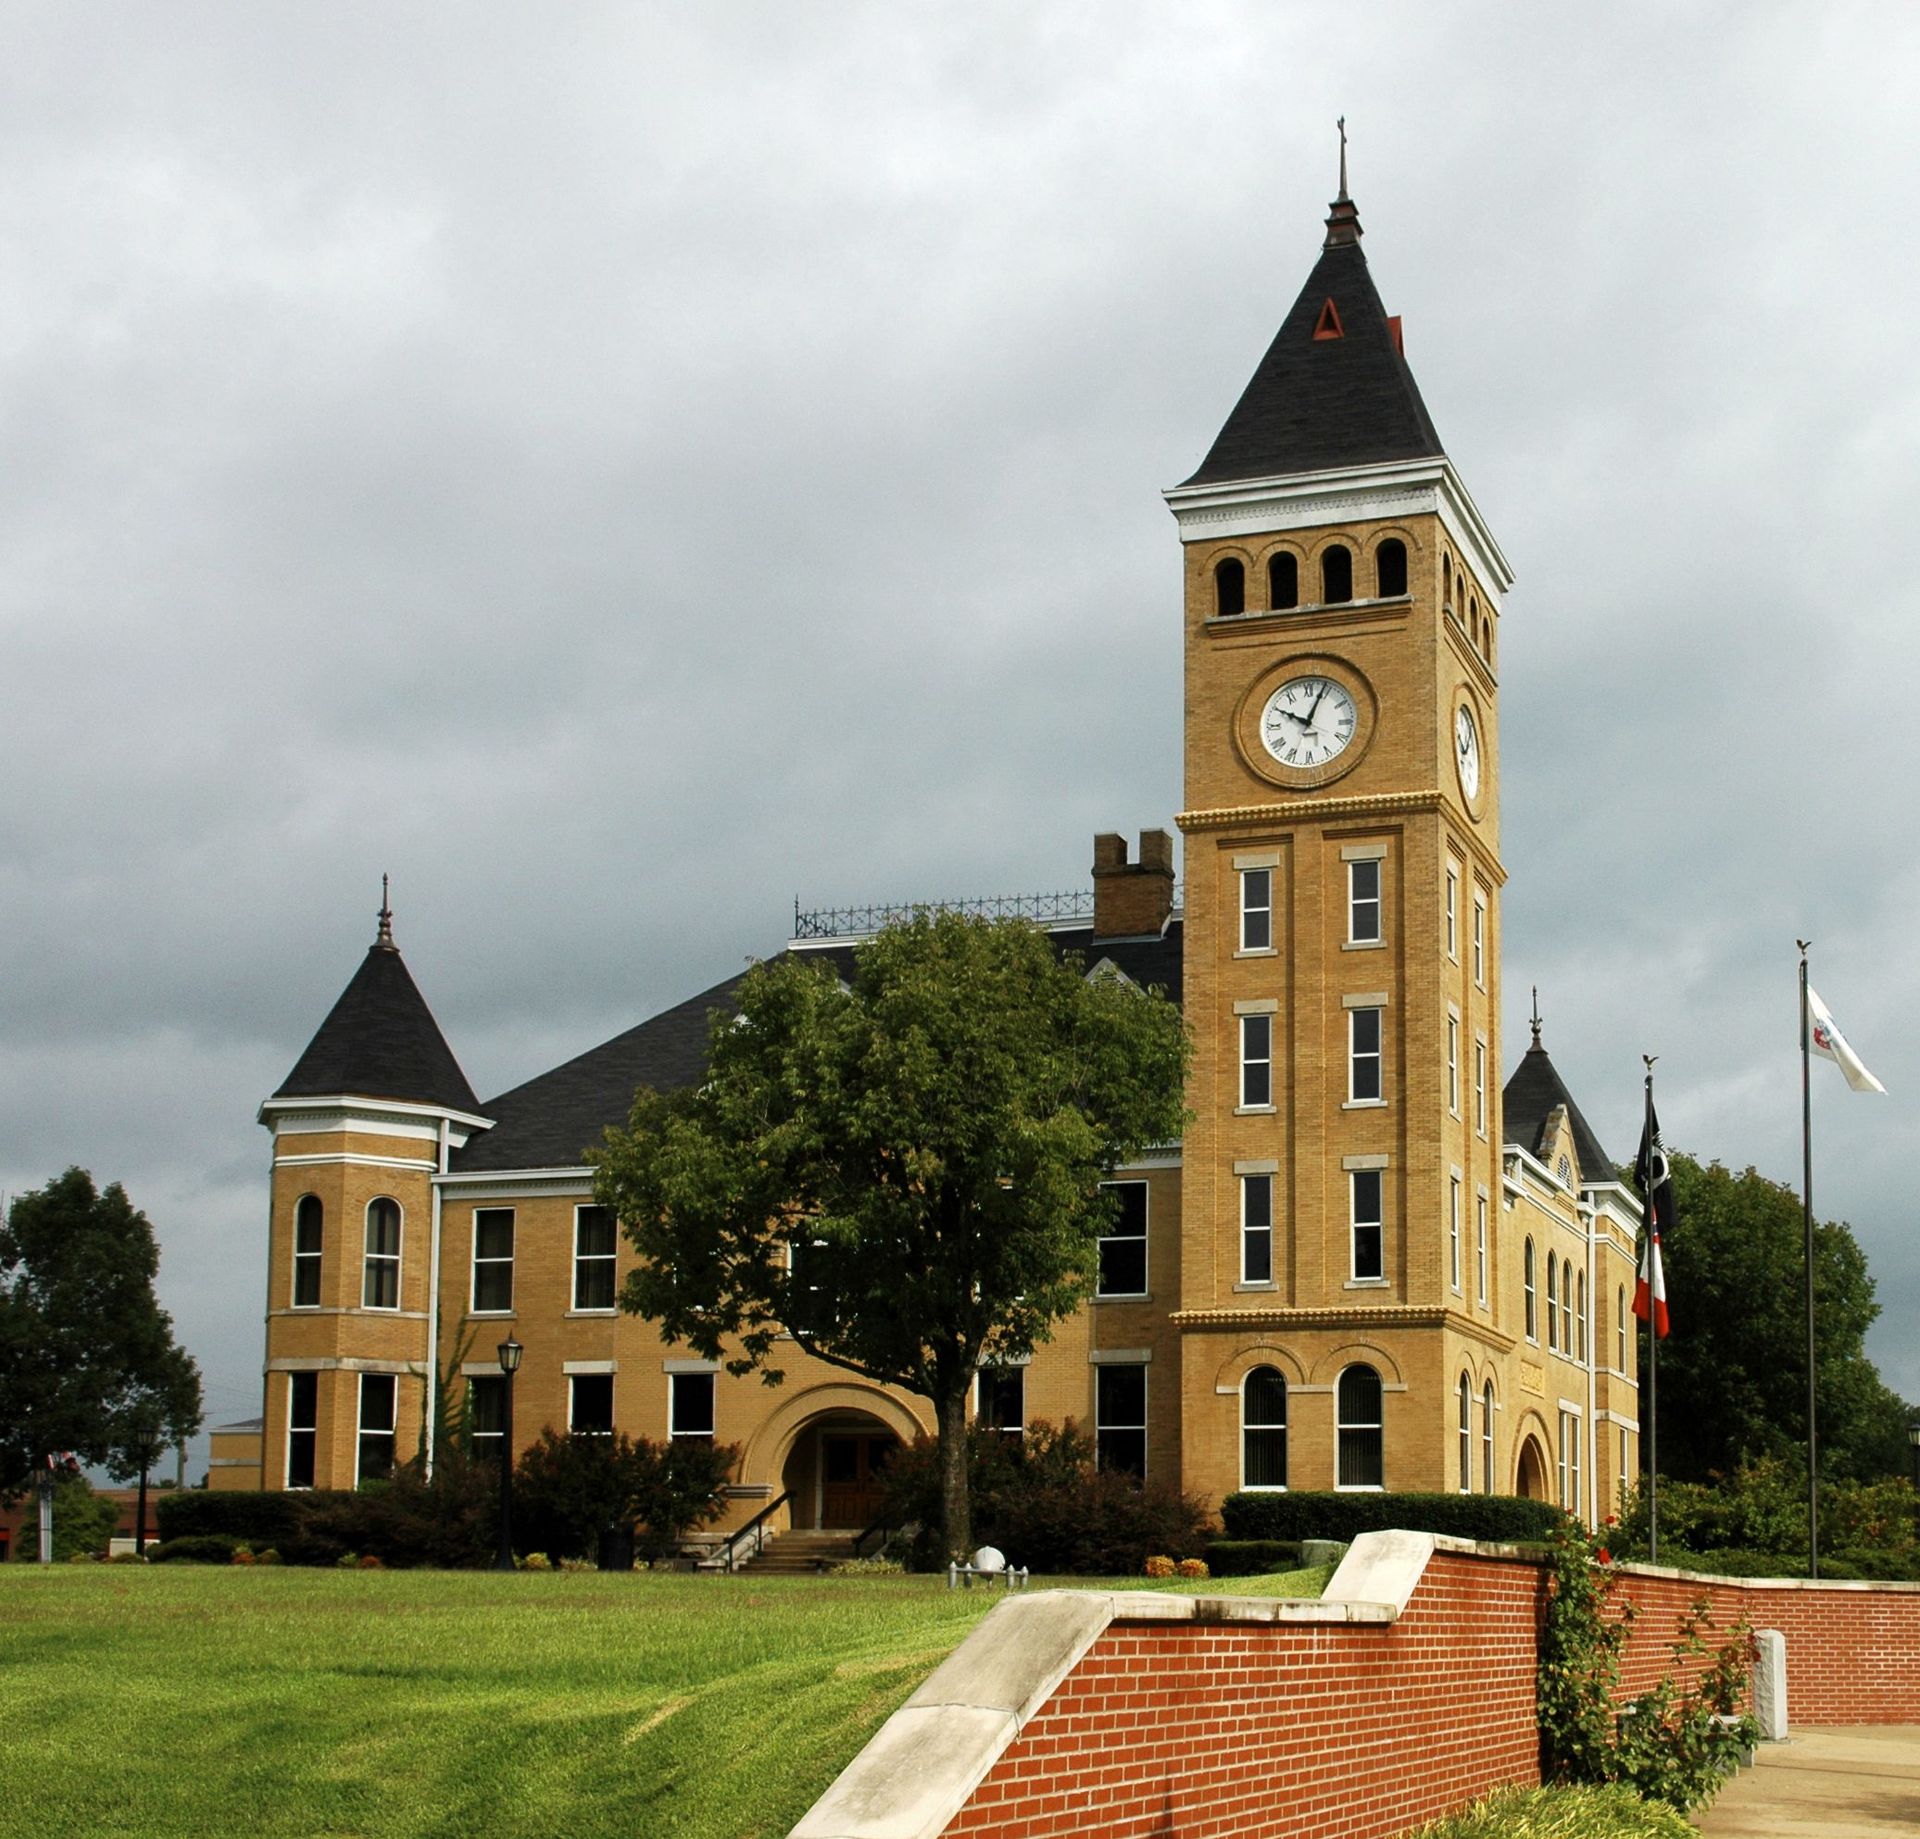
{"type": "Point", "coordinates": [1368, 1265]}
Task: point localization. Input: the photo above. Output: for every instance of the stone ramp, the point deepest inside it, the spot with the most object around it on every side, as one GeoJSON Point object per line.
{"type": "Point", "coordinates": [1855, 1783]}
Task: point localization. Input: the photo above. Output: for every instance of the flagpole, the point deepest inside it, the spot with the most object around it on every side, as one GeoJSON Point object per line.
{"type": "Point", "coordinates": [1647, 1224]}
{"type": "Point", "coordinates": [1806, 1191]}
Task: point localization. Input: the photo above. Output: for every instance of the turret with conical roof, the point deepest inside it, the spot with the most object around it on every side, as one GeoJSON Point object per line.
{"type": "Point", "coordinates": [362, 1127]}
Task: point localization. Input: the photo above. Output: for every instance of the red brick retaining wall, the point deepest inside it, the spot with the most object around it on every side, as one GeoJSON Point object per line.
{"type": "Point", "coordinates": [1331, 1731]}
{"type": "Point", "coordinates": [1317, 1731]}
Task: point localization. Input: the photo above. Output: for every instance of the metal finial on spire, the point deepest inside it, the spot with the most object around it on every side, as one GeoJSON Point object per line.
{"type": "Point", "coordinates": [1343, 215]}
{"type": "Point", "coordinates": [1536, 1015]}
{"type": "Point", "coordinates": [1341, 124]}
{"type": "Point", "coordinates": [386, 918]}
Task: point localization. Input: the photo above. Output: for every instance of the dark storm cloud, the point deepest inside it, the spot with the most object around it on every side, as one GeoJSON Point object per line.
{"type": "Point", "coordinates": [621, 470]}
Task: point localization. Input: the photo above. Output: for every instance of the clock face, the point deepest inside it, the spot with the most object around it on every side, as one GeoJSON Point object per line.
{"type": "Point", "coordinates": [1308, 721]}
{"type": "Point", "coordinates": [1466, 751]}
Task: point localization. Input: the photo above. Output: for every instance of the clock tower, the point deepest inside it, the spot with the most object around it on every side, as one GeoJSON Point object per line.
{"type": "Point", "coordinates": [1345, 1277]}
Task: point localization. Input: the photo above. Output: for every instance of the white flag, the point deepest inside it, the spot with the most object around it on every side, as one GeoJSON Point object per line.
{"type": "Point", "coordinates": [1824, 1032]}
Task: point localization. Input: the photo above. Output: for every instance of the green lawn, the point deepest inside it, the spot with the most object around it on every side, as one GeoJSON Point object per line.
{"type": "Point", "coordinates": [188, 1701]}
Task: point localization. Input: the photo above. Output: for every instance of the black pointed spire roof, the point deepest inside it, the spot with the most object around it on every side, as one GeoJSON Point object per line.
{"type": "Point", "coordinates": [1531, 1097]}
{"type": "Point", "coordinates": [380, 1040]}
{"type": "Point", "coordinates": [1334, 388]}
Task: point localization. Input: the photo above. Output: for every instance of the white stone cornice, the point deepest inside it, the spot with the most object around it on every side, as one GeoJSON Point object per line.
{"type": "Point", "coordinates": [515, 1184]}
{"type": "Point", "coordinates": [1344, 494]}
{"type": "Point", "coordinates": [388, 1117]}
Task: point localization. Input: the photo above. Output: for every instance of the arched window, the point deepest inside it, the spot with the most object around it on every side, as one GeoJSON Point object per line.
{"type": "Point", "coordinates": [1229, 589]}
{"type": "Point", "coordinates": [1336, 574]}
{"type": "Point", "coordinates": [1486, 1439]}
{"type": "Point", "coordinates": [1620, 1329]}
{"type": "Point", "coordinates": [1263, 1429]}
{"type": "Point", "coordinates": [1446, 582]}
{"type": "Point", "coordinates": [1553, 1301]}
{"type": "Point", "coordinates": [1533, 1316]}
{"type": "Point", "coordinates": [1466, 1435]}
{"type": "Point", "coordinates": [308, 1218]}
{"type": "Point", "coordinates": [1283, 580]}
{"type": "Point", "coordinates": [1358, 1401]}
{"type": "Point", "coordinates": [1580, 1320]}
{"type": "Point", "coordinates": [380, 1282]}
{"type": "Point", "coordinates": [1390, 569]}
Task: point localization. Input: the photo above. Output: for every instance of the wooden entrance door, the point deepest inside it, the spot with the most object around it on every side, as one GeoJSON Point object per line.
{"type": "Point", "coordinates": [852, 1465]}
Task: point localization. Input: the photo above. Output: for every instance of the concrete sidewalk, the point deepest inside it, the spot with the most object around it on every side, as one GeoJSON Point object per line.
{"type": "Point", "coordinates": [1825, 1784]}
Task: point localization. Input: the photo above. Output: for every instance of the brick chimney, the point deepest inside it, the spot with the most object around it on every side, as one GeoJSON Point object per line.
{"type": "Point", "coordinates": [1132, 900]}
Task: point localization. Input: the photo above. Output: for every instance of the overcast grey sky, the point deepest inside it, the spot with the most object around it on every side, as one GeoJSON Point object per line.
{"type": "Point", "coordinates": [620, 468]}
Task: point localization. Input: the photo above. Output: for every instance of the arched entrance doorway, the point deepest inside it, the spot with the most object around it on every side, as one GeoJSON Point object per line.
{"type": "Point", "coordinates": [835, 1472]}
{"type": "Point", "coordinates": [1533, 1471]}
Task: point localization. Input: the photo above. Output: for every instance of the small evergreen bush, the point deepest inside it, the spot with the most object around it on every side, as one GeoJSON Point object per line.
{"type": "Point", "coordinates": [1493, 1518]}
{"type": "Point", "coordinates": [196, 1548]}
{"type": "Point", "coordinates": [1252, 1557]}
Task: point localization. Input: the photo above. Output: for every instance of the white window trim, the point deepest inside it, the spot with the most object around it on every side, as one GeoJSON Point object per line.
{"type": "Point", "coordinates": [611, 1258]}
{"type": "Point", "coordinates": [1453, 911]}
{"type": "Point", "coordinates": [1453, 1061]}
{"type": "Point", "coordinates": [1378, 899]}
{"type": "Point", "coordinates": [1284, 1428]}
{"type": "Point", "coordinates": [1246, 1060]}
{"type": "Point", "coordinates": [367, 1257]}
{"type": "Point", "coordinates": [1482, 1278]}
{"type": "Point", "coordinates": [312, 1430]}
{"type": "Point", "coordinates": [299, 1256]}
{"type": "Point", "coordinates": [1479, 941]}
{"type": "Point", "coordinates": [592, 1369]}
{"type": "Point", "coordinates": [476, 1261]}
{"type": "Point", "coordinates": [712, 1430]}
{"type": "Point", "coordinates": [1245, 1176]}
{"type": "Point", "coordinates": [1249, 909]}
{"type": "Point", "coordinates": [1480, 1085]}
{"type": "Point", "coordinates": [1141, 1358]}
{"type": "Point", "coordinates": [360, 1422]}
{"type": "Point", "coordinates": [1359, 1487]}
{"type": "Point", "coordinates": [1144, 1236]}
{"type": "Point", "coordinates": [1378, 1056]}
{"type": "Point", "coordinates": [1354, 1223]}
{"type": "Point", "coordinates": [1455, 1181]}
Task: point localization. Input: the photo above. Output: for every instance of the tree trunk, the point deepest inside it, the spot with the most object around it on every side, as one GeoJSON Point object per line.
{"type": "Point", "coordinates": [956, 1510]}
{"type": "Point", "coordinates": [140, 1515]}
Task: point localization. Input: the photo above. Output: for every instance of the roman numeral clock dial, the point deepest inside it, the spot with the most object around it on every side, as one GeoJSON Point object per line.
{"type": "Point", "coordinates": [1308, 722]}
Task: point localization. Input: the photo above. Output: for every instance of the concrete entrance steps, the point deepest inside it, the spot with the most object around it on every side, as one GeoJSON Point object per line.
{"type": "Point", "coordinates": [800, 1554]}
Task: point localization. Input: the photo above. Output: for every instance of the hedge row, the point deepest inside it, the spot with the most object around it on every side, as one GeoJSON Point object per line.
{"type": "Point", "coordinates": [257, 1520]}
{"type": "Point", "coordinates": [1496, 1518]}
{"type": "Point", "coordinates": [1251, 1557]}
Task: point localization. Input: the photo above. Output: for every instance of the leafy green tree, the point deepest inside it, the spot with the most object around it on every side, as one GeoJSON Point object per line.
{"type": "Point", "coordinates": [87, 1356]}
{"type": "Point", "coordinates": [83, 1522]}
{"type": "Point", "coordinates": [902, 1174]}
{"type": "Point", "coordinates": [1733, 1371]}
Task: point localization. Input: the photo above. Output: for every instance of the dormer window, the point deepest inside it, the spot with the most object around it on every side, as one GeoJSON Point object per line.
{"type": "Point", "coordinates": [1229, 589]}
{"type": "Point", "coordinates": [1390, 569]}
{"type": "Point", "coordinates": [1336, 574]}
{"type": "Point", "coordinates": [1283, 581]}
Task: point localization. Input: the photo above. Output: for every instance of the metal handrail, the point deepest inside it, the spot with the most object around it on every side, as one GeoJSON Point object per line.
{"type": "Point", "coordinates": [885, 1524]}
{"type": "Point", "coordinates": [756, 1527]}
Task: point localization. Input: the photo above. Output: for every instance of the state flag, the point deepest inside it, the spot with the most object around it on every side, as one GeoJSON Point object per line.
{"type": "Point", "coordinates": [1654, 1179]}
{"type": "Point", "coordinates": [1823, 1033]}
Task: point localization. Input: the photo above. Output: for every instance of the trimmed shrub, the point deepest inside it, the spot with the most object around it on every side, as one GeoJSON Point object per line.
{"type": "Point", "coordinates": [1159, 1565]}
{"type": "Point", "coordinates": [1252, 1557]}
{"type": "Point", "coordinates": [1194, 1568]}
{"type": "Point", "coordinates": [1494, 1518]}
{"type": "Point", "coordinates": [198, 1548]}
{"type": "Point", "coordinates": [566, 1489]}
{"type": "Point", "coordinates": [256, 1519]}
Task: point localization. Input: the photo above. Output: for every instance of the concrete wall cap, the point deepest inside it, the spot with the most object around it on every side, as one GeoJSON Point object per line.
{"type": "Point", "coordinates": [1770, 1583]}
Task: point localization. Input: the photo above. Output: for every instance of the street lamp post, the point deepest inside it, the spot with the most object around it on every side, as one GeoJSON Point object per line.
{"type": "Point", "coordinates": [510, 1351]}
{"type": "Point", "coordinates": [1913, 1444]}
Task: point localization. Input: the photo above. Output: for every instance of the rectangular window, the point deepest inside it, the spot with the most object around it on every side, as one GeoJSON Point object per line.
{"type": "Point", "coordinates": [590, 1409]}
{"type": "Point", "coordinates": [1256, 1060]}
{"type": "Point", "coordinates": [487, 1415]}
{"type": "Point", "coordinates": [593, 1257]}
{"type": "Point", "coordinates": [380, 1279]}
{"type": "Point", "coordinates": [1001, 1403]}
{"type": "Point", "coordinates": [1369, 1237]}
{"type": "Point", "coordinates": [377, 1401]}
{"type": "Point", "coordinates": [1453, 1232]}
{"type": "Point", "coordinates": [1480, 1246]}
{"type": "Point", "coordinates": [1363, 902]}
{"type": "Point", "coordinates": [492, 1260]}
{"type": "Point", "coordinates": [303, 1427]}
{"type": "Point", "coordinates": [1480, 1087]}
{"type": "Point", "coordinates": [1479, 942]}
{"type": "Point", "coordinates": [1256, 909]}
{"type": "Point", "coordinates": [306, 1252]}
{"type": "Point", "coordinates": [689, 1405]}
{"type": "Point", "coordinates": [1363, 1055]}
{"type": "Point", "coordinates": [1453, 1064]}
{"type": "Point", "coordinates": [1120, 1419]}
{"type": "Point", "coordinates": [1123, 1246]}
{"type": "Point", "coordinates": [1256, 1229]}
{"type": "Point", "coordinates": [1453, 911]}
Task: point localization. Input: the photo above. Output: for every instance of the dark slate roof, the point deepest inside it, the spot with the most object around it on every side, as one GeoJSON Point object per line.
{"type": "Point", "coordinates": [551, 1120]}
{"type": "Point", "coordinates": [381, 1041]}
{"type": "Point", "coordinates": [1529, 1100]}
{"type": "Point", "coordinates": [1316, 403]}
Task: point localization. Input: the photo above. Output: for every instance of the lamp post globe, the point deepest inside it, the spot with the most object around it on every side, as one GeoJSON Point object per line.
{"type": "Point", "coordinates": [509, 1352]}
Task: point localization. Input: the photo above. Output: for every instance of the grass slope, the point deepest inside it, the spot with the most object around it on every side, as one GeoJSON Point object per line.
{"type": "Point", "coordinates": [282, 1704]}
